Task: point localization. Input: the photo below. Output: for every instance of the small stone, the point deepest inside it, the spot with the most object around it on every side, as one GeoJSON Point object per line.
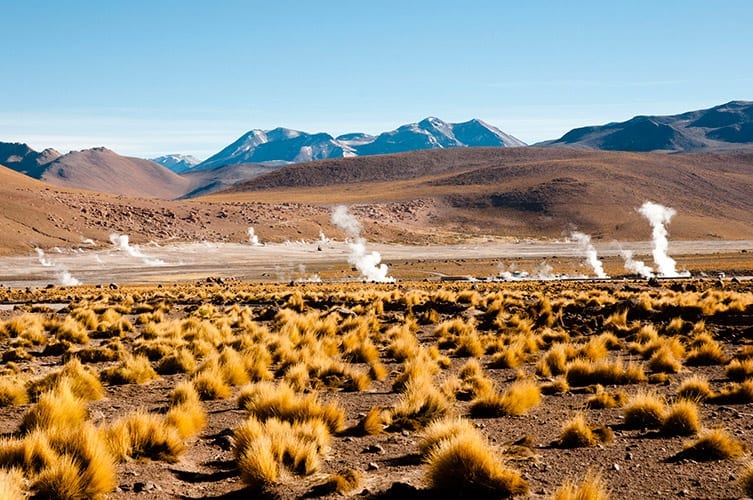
{"type": "Point", "coordinates": [683, 493]}
{"type": "Point", "coordinates": [348, 439]}
{"type": "Point", "coordinates": [406, 433]}
{"type": "Point", "coordinates": [628, 456]}
{"type": "Point", "coordinates": [616, 467]}
{"type": "Point", "coordinates": [374, 448]}
{"type": "Point", "coordinates": [372, 466]}
{"type": "Point", "coordinates": [138, 487]}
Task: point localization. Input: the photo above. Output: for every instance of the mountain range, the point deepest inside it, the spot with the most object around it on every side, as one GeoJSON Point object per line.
{"type": "Point", "coordinates": [727, 128]}
{"type": "Point", "coordinates": [282, 146]}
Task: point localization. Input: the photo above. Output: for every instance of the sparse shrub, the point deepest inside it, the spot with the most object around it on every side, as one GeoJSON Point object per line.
{"type": "Point", "coordinates": [715, 444]}
{"type": "Point", "coordinates": [12, 485]}
{"type": "Point", "coordinates": [420, 404]}
{"type": "Point", "coordinates": [577, 433]}
{"type": "Point", "coordinates": [580, 372]}
{"type": "Point", "coordinates": [59, 408]}
{"type": "Point", "coordinates": [741, 393]}
{"type": "Point", "coordinates": [142, 434]}
{"type": "Point", "coordinates": [465, 464]}
{"type": "Point", "coordinates": [603, 399]}
{"type": "Point", "coordinates": [738, 370]}
{"type": "Point", "coordinates": [707, 353]}
{"type": "Point", "coordinates": [681, 419]}
{"type": "Point", "coordinates": [746, 478]}
{"type": "Point", "coordinates": [83, 382]}
{"type": "Point", "coordinates": [257, 464]}
{"type": "Point", "coordinates": [12, 391]}
{"type": "Point", "coordinates": [210, 383]}
{"type": "Point", "coordinates": [694, 388]}
{"type": "Point", "coordinates": [266, 400]}
{"type": "Point", "coordinates": [343, 482]}
{"type": "Point", "coordinates": [516, 400]}
{"type": "Point", "coordinates": [593, 487]}
{"type": "Point", "coordinates": [178, 361]}
{"type": "Point", "coordinates": [644, 410]}
{"type": "Point", "coordinates": [186, 412]}
{"type": "Point", "coordinates": [441, 430]}
{"type": "Point", "coordinates": [664, 361]}
{"type": "Point", "coordinates": [557, 386]}
{"type": "Point", "coordinates": [132, 370]}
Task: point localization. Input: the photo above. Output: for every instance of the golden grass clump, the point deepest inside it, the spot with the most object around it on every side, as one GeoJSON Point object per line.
{"type": "Point", "coordinates": [132, 370]}
{"type": "Point", "coordinates": [694, 388]}
{"type": "Point", "coordinates": [715, 444]}
{"type": "Point", "coordinates": [181, 360]}
{"type": "Point", "coordinates": [266, 400]}
{"type": "Point", "coordinates": [262, 448]}
{"type": "Point", "coordinates": [593, 487]}
{"type": "Point", "coordinates": [70, 330]}
{"type": "Point", "coordinates": [521, 396]}
{"type": "Point", "coordinates": [342, 482]}
{"type": "Point", "coordinates": [142, 434]}
{"type": "Point", "coordinates": [186, 412]}
{"type": "Point", "coordinates": [644, 410]}
{"type": "Point", "coordinates": [465, 464]}
{"type": "Point", "coordinates": [577, 433]}
{"type": "Point", "coordinates": [603, 399]}
{"type": "Point", "coordinates": [443, 429]}
{"type": "Point", "coordinates": [12, 485]}
{"type": "Point", "coordinates": [421, 403]}
{"type": "Point", "coordinates": [681, 419]}
{"type": "Point", "coordinates": [705, 352]}
{"type": "Point", "coordinates": [745, 478]}
{"type": "Point", "coordinates": [739, 370]}
{"type": "Point", "coordinates": [58, 408]}
{"type": "Point", "coordinates": [664, 361]}
{"type": "Point", "coordinates": [12, 391]}
{"type": "Point", "coordinates": [83, 381]}
{"type": "Point", "coordinates": [210, 382]}
{"type": "Point", "coordinates": [736, 393]}
{"type": "Point", "coordinates": [581, 372]}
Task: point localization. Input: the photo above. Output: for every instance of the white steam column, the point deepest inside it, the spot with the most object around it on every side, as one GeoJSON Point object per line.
{"type": "Point", "coordinates": [368, 264]}
{"type": "Point", "coordinates": [584, 242]}
{"type": "Point", "coordinates": [658, 216]}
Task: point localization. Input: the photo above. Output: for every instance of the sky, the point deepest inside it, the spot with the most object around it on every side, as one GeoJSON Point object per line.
{"type": "Point", "coordinates": [151, 77]}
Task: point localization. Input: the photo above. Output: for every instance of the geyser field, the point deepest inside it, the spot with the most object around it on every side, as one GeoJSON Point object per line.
{"type": "Point", "coordinates": [559, 369]}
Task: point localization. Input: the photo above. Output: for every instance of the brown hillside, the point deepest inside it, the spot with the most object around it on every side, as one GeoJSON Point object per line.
{"type": "Point", "coordinates": [102, 170]}
{"type": "Point", "coordinates": [531, 191]}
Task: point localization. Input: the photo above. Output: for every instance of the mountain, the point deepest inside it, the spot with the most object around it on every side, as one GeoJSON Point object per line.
{"type": "Point", "coordinates": [206, 181]}
{"type": "Point", "coordinates": [283, 146]}
{"type": "Point", "coordinates": [21, 158]}
{"type": "Point", "coordinates": [177, 163]}
{"type": "Point", "coordinates": [728, 127]}
{"type": "Point", "coordinates": [102, 170]}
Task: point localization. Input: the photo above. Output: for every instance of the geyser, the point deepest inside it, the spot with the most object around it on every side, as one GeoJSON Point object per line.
{"type": "Point", "coordinates": [659, 216]}
{"type": "Point", "coordinates": [584, 242]}
{"type": "Point", "coordinates": [368, 264]}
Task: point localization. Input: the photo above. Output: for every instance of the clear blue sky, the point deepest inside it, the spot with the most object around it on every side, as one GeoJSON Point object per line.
{"type": "Point", "coordinates": [147, 77]}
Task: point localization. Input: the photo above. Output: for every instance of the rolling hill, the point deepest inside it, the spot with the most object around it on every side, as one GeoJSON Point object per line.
{"type": "Point", "coordinates": [531, 191]}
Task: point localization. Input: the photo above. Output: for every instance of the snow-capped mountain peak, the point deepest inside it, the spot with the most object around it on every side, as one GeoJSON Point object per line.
{"type": "Point", "coordinates": [178, 163]}
{"type": "Point", "coordinates": [280, 146]}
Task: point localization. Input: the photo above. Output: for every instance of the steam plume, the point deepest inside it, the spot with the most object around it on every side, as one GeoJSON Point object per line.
{"type": "Point", "coordinates": [368, 264]}
{"type": "Point", "coordinates": [252, 238]}
{"type": "Point", "coordinates": [64, 277]}
{"type": "Point", "coordinates": [120, 241]}
{"type": "Point", "coordinates": [584, 241]}
{"type": "Point", "coordinates": [636, 266]}
{"type": "Point", "coordinates": [658, 216]}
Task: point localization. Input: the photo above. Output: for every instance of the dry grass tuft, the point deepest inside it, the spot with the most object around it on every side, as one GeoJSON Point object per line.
{"type": "Point", "coordinates": [746, 478]}
{"type": "Point", "coordinates": [521, 396]}
{"type": "Point", "coordinates": [132, 370]}
{"type": "Point", "coordinates": [694, 388]}
{"type": "Point", "coordinates": [12, 391]}
{"type": "Point", "coordinates": [741, 393]}
{"type": "Point", "coordinates": [716, 444]}
{"type": "Point", "coordinates": [682, 419]}
{"type": "Point", "coordinates": [57, 409]}
{"type": "Point", "coordinates": [644, 410]}
{"type": "Point", "coordinates": [577, 433]}
{"type": "Point", "coordinates": [12, 485]}
{"type": "Point", "coordinates": [466, 465]}
{"type": "Point", "coordinates": [83, 382]}
{"type": "Point", "coordinates": [142, 434]}
{"type": "Point", "coordinates": [593, 487]}
{"type": "Point", "coordinates": [739, 370]}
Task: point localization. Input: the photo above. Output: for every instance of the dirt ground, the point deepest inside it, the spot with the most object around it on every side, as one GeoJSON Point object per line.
{"type": "Point", "coordinates": [636, 464]}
